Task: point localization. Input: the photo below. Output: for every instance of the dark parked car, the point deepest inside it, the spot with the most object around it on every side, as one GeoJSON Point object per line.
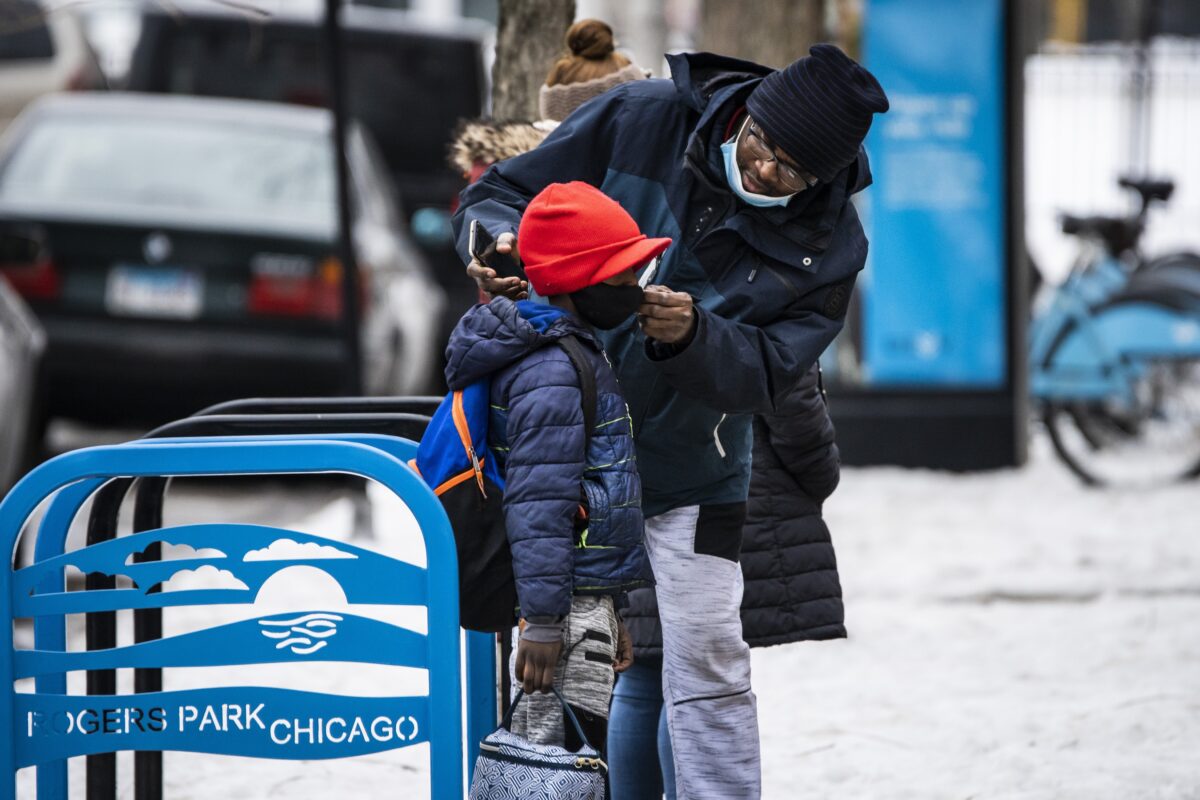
{"type": "Point", "coordinates": [409, 81]}
{"type": "Point", "coordinates": [180, 251]}
{"type": "Point", "coordinates": [21, 345]}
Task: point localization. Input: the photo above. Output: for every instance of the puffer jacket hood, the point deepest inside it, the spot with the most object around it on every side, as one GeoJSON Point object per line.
{"type": "Point", "coordinates": [495, 335]}
{"type": "Point", "coordinates": [551, 467]}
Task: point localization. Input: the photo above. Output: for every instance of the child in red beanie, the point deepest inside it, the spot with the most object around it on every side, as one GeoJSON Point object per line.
{"type": "Point", "coordinates": [572, 499]}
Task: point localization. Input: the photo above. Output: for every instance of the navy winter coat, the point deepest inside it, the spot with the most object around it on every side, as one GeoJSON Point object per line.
{"type": "Point", "coordinates": [771, 285]}
{"type": "Point", "coordinates": [536, 429]}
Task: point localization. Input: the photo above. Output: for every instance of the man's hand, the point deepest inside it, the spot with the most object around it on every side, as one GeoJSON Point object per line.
{"type": "Point", "coordinates": [667, 316]}
{"type": "Point", "coordinates": [624, 654]}
{"type": "Point", "coordinates": [535, 665]}
{"type": "Point", "coordinates": [485, 277]}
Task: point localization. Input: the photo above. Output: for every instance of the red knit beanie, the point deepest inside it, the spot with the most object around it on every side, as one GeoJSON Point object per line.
{"type": "Point", "coordinates": [573, 236]}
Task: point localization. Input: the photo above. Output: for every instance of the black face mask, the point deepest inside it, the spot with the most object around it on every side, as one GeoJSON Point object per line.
{"type": "Point", "coordinates": [605, 306]}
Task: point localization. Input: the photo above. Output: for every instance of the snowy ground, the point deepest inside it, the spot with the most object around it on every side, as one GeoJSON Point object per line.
{"type": "Point", "coordinates": [1013, 635]}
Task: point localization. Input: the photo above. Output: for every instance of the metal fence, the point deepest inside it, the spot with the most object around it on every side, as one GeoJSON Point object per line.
{"type": "Point", "coordinates": [1081, 132]}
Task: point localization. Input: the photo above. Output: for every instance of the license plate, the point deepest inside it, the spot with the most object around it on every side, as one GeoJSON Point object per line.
{"type": "Point", "coordinates": [154, 292]}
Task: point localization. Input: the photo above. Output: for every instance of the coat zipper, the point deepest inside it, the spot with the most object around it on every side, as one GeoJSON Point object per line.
{"type": "Point", "coordinates": [464, 433]}
{"type": "Point", "coordinates": [580, 763]}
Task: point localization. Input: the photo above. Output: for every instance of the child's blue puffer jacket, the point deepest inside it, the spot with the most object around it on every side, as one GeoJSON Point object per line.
{"type": "Point", "coordinates": [536, 431]}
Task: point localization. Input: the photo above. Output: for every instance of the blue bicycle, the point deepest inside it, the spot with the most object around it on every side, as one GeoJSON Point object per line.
{"type": "Point", "coordinates": [1115, 354]}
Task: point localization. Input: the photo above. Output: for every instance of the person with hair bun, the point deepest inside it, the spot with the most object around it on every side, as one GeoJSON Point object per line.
{"type": "Point", "coordinates": [590, 67]}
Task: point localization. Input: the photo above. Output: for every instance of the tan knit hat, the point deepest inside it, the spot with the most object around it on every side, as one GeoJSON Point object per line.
{"type": "Point", "coordinates": [557, 102]}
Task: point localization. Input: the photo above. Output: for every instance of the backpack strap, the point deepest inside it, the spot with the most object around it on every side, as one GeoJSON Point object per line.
{"type": "Point", "coordinates": [587, 382]}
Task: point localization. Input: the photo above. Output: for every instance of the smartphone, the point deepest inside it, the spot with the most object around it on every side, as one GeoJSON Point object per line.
{"type": "Point", "coordinates": [649, 272]}
{"type": "Point", "coordinates": [483, 247]}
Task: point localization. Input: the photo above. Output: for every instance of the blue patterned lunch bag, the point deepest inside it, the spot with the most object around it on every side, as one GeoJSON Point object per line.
{"type": "Point", "coordinates": [511, 768]}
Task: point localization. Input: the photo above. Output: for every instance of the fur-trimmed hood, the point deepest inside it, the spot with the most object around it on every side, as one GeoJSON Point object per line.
{"type": "Point", "coordinates": [481, 142]}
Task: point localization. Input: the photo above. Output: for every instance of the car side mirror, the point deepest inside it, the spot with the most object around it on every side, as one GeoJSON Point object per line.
{"type": "Point", "coordinates": [431, 227]}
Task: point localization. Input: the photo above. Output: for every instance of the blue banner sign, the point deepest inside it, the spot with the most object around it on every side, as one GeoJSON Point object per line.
{"type": "Point", "coordinates": [934, 299]}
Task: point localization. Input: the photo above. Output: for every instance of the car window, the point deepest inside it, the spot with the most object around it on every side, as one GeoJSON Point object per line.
{"type": "Point", "coordinates": [270, 174]}
{"type": "Point", "coordinates": [24, 34]}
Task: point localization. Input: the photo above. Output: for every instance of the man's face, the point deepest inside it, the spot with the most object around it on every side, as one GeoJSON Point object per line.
{"type": "Point", "coordinates": [765, 168]}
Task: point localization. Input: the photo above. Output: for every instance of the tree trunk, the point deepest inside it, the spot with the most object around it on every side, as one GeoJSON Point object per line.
{"type": "Point", "coordinates": [770, 32]}
{"type": "Point", "coordinates": [528, 41]}
{"type": "Point", "coordinates": [849, 27]}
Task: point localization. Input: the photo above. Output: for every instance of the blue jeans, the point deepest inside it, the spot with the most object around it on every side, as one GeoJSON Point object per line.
{"type": "Point", "coordinates": [640, 762]}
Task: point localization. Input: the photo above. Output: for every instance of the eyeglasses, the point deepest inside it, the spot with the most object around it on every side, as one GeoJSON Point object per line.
{"type": "Point", "coordinates": [791, 177]}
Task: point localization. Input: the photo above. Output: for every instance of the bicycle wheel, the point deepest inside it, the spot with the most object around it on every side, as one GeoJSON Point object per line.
{"type": "Point", "coordinates": [1149, 440]}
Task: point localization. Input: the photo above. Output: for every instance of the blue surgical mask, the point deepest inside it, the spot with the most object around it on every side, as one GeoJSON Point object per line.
{"type": "Point", "coordinates": [734, 176]}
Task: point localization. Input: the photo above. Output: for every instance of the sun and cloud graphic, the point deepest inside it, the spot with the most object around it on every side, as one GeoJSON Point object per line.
{"type": "Point", "coordinates": [233, 564]}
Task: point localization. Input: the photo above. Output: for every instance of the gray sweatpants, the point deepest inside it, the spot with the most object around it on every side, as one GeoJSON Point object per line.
{"type": "Point", "coordinates": [711, 711]}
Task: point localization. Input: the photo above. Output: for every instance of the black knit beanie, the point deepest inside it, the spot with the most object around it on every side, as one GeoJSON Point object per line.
{"type": "Point", "coordinates": [818, 109]}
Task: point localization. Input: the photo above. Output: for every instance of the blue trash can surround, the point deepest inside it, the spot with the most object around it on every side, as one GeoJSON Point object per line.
{"type": "Point", "coordinates": [47, 725]}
